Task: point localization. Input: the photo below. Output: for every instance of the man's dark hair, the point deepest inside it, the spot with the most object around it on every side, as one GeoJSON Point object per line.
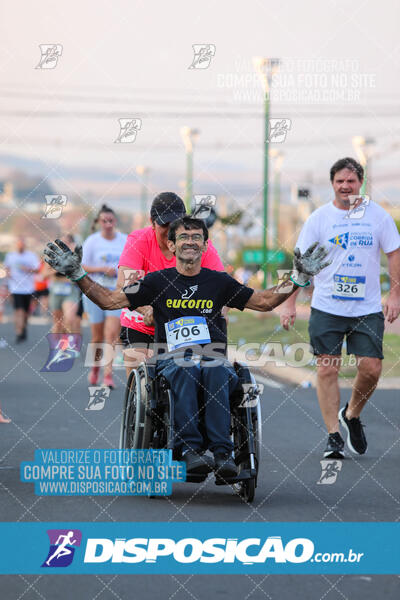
{"type": "Point", "coordinates": [347, 163]}
{"type": "Point", "coordinates": [188, 223]}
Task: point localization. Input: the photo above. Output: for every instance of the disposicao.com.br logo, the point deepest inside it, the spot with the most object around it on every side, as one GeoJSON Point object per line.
{"type": "Point", "coordinates": [62, 547]}
{"type": "Point", "coordinates": [200, 547]}
{"type": "Point", "coordinates": [191, 550]}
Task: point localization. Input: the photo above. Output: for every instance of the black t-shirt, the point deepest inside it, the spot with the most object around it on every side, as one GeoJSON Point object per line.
{"type": "Point", "coordinates": [173, 295]}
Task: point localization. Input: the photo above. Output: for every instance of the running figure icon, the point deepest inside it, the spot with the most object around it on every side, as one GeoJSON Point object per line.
{"type": "Point", "coordinates": [66, 349]}
{"type": "Point", "coordinates": [62, 549]}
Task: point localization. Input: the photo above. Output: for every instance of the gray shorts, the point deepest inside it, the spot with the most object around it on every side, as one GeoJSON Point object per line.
{"type": "Point", "coordinates": [364, 335]}
{"type": "Point", "coordinates": [63, 291]}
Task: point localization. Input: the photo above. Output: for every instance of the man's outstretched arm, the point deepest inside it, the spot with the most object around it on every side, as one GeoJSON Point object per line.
{"type": "Point", "coordinates": [106, 299]}
{"type": "Point", "coordinates": [304, 266]}
{"type": "Point", "coordinates": [271, 298]}
{"type": "Point", "coordinates": [64, 261]}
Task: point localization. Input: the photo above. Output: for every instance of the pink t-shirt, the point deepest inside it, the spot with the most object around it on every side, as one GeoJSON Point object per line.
{"type": "Point", "coordinates": [142, 253]}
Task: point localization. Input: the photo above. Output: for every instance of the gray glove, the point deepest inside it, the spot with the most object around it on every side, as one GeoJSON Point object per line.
{"type": "Point", "coordinates": [64, 261]}
{"type": "Point", "coordinates": [308, 264]}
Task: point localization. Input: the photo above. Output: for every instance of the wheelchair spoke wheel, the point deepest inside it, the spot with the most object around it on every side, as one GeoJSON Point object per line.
{"type": "Point", "coordinates": [145, 422]}
{"type": "Point", "coordinates": [136, 430]}
{"type": "Point", "coordinates": [128, 414]}
{"type": "Point", "coordinates": [246, 423]}
{"type": "Point", "coordinates": [257, 430]}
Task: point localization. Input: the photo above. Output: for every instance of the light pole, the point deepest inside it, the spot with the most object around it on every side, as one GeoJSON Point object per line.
{"type": "Point", "coordinates": [362, 147]}
{"type": "Point", "coordinates": [189, 136]}
{"type": "Point", "coordinates": [266, 67]}
{"type": "Point", "coordinates": [143, 172]}
{"type": "Point", "coordinates": [277, 157]}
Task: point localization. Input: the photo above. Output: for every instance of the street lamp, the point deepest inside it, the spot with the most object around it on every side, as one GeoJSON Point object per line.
{"type": "Point", "coordinates": [266, 68]}
{"type": "Point", "coordinates": [362, 147]}
{"type": "Point", "coordinates": [189, 136]}
{"type": "Point", "coordinates": [277, 160]}
{"type": "Point", "coordinates": [143, 172]}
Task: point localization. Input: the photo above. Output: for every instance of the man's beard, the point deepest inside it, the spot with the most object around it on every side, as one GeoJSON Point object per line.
{"type": "Point", "coordinates": [190, 260]}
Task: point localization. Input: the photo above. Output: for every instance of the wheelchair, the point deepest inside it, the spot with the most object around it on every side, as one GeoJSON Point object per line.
{"type": "Point", "coordinates": [148, 422]}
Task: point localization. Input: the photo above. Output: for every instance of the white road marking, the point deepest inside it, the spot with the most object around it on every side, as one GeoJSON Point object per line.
{"type": "Point", "coordinates": [269, 382]}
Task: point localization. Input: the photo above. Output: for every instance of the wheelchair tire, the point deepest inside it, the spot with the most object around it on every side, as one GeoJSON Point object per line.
{"type": "Point", "coordinates": [136, 428]}
{"type": "Point", "coordinates": [247, 490]}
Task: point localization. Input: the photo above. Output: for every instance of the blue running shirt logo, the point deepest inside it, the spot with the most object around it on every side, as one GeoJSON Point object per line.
{"type": "Point", "coordinates": [341, 240]}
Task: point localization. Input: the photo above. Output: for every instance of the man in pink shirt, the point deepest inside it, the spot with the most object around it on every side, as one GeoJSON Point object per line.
{"type": "Point", "coordinates": [145, 251]}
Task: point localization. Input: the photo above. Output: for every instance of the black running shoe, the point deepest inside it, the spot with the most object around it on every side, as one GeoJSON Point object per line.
{"type": "Point", "coordinates": [334, 447]}
{"type": "Point", "coordinates": [197, 463]}
{"type": "Point", "coordinates": [356, 439]}
{"type": "Point", "coordinates": [224, 465]}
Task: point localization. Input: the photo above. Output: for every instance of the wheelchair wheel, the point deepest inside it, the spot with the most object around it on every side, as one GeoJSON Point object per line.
{"type": "Point", "coordinates": [136, 428]}
{"type": "Point", "coordinates": [163, 437]}
{"type": "Point", "coordinates": [247, 489]}
{"type": "Point", "coordinates": [246, 427]}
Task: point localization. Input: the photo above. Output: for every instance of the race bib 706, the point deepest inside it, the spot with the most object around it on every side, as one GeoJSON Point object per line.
{"type": "Point", "coordinates": [186, 331]}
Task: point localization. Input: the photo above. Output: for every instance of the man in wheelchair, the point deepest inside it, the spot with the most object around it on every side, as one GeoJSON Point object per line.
{"type": "Point", "coordinates": [187, 302]}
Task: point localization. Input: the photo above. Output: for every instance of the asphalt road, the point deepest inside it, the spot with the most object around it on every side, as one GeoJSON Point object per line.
{"type": "Point", "coordinates": [48, 411]}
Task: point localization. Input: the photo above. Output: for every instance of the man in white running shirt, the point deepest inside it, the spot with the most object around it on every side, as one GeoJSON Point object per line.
{"type": "Point", "coordinates": [347, 299]}
{"type": "Point", "coordinates": [21, 267]}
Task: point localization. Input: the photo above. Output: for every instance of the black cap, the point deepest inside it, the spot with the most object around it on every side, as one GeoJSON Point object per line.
{"type": "Point", "coordinates": [167, 207]}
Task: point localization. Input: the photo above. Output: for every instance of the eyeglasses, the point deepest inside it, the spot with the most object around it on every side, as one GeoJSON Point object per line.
{"type": "Point", "coordinates": [184, 237]}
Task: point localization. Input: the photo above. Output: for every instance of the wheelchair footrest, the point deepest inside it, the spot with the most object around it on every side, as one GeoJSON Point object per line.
{"type": "Point", "coordinates": [245, 474]}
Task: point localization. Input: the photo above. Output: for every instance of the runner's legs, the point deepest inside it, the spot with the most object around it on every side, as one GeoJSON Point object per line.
{"type": "Point", "coordinates": [368, 372]}
{"type": "Point", "coordinates": [70, 310]}
{"type": "Point", "coordinates": [20, 318]}
{"type": "Point", "coordinates": [111, 336]}
{"type": "Point", "coordinates": [328, 392]}
{"type": "Point", "coordinates": [58, 324]}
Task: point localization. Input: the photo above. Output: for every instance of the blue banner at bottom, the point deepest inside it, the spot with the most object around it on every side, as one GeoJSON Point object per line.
{"type": "Point", "coordinates": [208, 548]}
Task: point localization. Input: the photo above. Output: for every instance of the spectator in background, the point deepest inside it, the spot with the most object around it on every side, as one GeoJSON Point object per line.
{"type": "Point", "coordinates": [256, 278]}
{"type": "Point", "coordinates": [3, 294]}
{"type": "Point", "coordinates": [3, 343]}
{"type": "Point", "coordinates": [41, 293]}
{"type": "Point", "coordinates": [101, 252]}
{"type": "Point", "coordinates": [21, 267]}
{"type": "Point", "coordinates": [64, 298]}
